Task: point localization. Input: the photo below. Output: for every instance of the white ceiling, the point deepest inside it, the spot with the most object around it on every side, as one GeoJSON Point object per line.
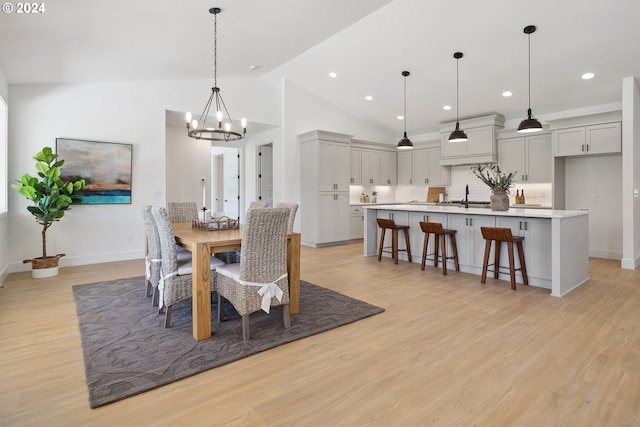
{"type": "Point", "coordinates": [367, 42]}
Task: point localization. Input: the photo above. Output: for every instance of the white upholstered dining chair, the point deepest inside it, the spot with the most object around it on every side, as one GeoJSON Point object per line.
{"type": "Point", "coordinates": [260, 280]}
{"type": "Point", "coordinates": [175, 282]}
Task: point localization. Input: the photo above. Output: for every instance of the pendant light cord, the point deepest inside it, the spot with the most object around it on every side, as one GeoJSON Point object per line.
{"type": "Point", "coordinates": [529, 54]}
{"type": "Point", "coordinates": [457, 91]}
{"type": "Point", "coordinates": [405, 105]}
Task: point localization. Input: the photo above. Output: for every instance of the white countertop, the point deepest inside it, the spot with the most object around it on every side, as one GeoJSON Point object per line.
{"type": "Point", "coordinates": [518, 212]}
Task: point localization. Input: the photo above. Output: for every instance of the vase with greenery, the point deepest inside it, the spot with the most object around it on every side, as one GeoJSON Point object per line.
{"type": "Point", "coordinates": [498, 181]}
{"type": "Point", "coordinates": [51, 197]}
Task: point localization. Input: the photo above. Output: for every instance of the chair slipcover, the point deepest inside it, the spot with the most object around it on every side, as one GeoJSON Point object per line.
{"type": "Point", "coordinates": [260, 280]}
{"type": "Point", "coordinates": [175, 278]}
{"type": "Point", "coordinates": [292, 214]}
{"type": "Point", "coordinates": [153, 255]}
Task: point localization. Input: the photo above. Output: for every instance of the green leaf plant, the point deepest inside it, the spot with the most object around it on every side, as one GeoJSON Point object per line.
{"type": "Point", "coordinates": [51, 196]}
{"type": "Point", "coordinates": [490, 174]}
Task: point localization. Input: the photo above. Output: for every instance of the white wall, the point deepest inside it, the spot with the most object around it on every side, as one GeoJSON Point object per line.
{"type": "Point", "coordinates": [188, 160]}
{"type": "Point", "coordinates": [304, 112]}
{"type": "Point", "coordinates": [630, 173]}
{"type": "Point", "coordinates": [4, 232]}
{"type": "Point", "coordinates": [116, 112]}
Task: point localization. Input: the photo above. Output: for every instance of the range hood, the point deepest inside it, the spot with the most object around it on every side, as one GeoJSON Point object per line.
{"type": "Point", "coordinates": [481, 147]}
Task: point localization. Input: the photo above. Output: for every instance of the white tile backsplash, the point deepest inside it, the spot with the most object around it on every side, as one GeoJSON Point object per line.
{"type": "Point", "coordinates": [461, 176]}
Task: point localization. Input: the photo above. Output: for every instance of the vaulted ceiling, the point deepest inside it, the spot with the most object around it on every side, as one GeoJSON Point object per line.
{"type": "Point", "coordinates": [367, 43]}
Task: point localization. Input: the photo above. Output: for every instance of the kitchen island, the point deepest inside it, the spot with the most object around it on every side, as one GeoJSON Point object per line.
{"type": "Point", "coordinates": [556, 243]}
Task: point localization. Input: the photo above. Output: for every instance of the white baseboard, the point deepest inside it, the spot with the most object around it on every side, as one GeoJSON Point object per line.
{"type": "Point", "coordinates": [71, 261]}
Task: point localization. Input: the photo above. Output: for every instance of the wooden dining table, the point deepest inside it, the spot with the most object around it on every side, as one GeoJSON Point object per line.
{"type": "Point", "coordinates": [203, 244]}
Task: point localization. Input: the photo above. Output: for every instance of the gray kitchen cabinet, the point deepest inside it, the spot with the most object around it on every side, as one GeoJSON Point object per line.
{"type": "Point", "coordinates": [356, 166]}
{"type": "Point", "coordinates": [421, 167]}
{"type": "Point", "coordinates": [529, 156]}
{"type": "Point", "coordinates": [536, 246]}
{"type": "Point", "coordinates": [469, 238]}
{"type": "Point", "coordinates": [324, 199]}
{"type": "Point", "coordinates": [603, 138]}
{"type": "Point", "coordinates": [370, 167]}
{"type": "Point", "coordinates": [388, 168]}
{"type": "Point", "coordinates": [357, 222]}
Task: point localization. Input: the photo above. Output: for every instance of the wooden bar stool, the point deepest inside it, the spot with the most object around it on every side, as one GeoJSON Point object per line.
{"type": "Point", "coordinates": [436, 229]}
{"type": "Point", "coordinates": [389, 224]}
{"type": "Point", "coordinates": [503, 235]}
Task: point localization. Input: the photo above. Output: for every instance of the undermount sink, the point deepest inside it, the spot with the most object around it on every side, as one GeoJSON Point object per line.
{"type": "Point", "coordinates": [461, 204]}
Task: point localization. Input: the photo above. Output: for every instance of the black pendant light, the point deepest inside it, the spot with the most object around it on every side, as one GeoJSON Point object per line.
{"type": "Point", "coordinates": [530, 124]}
{"type": "Point", "coordinates": [458, 134]}
{"type": "Point", "coordinates": [405, 143]}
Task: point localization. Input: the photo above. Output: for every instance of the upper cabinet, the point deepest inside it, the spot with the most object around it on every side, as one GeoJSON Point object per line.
{"type": "Point", "coordinates": [603, 138]}
{"type": "Point", "coordinates": [325, 160]}
{"type": "Point", "coordinates": [371, 165]}
{"type": "Point", "coordinates": [388, 168]}
{"type": "Point", "coordinates": [356, 166]}
{"type": "Point", "coordinates": [529, 156]}
{"type": "Point", "coordinates": [334, 166]}
{"type": "Point", "coordinates": [421, 166]}
{"type": "Point", "coordinates": [480, 146]}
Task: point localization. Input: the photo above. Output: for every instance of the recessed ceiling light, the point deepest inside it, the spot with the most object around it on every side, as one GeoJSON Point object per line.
{"type": "Point", "coordinates": [447, 107]}
{"type": "Point", "coordinates": [369, 98]}
{"type": "Point", "coordinates": [333, 75]}
{"type": "Point", "coordinates": [400, 117]}
{"type": "Point", "coordinates": [253, 67]}
{"type": "Point", "coordinates": [587, 76]}
{"type": "Point", "coordinates": [507, 93]}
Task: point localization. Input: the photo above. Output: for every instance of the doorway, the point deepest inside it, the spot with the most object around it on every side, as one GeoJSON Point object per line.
{"type": "Point", "coordinates": [264, 176]}
{"type": "Point", "coordinates": [225, 178]}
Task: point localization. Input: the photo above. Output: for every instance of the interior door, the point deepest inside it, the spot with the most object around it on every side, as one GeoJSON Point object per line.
{"type": "Point", "coordinates": [227, 172]}
{"type": "Point", "coordinates": [264, 187]}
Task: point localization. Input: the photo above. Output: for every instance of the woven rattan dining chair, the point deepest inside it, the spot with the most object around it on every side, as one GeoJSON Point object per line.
{"type": "Point", "coordinates": [182, 211]}
{"type": "Point", "coordinates": [153, 257]}
{"type": "Point", "coordinates": [260, 280]}
{"type": "Point", "coordinates": [292, 213]}
{"type": "Point", "coordinates": [254, 205]}
{"type": "Point", "coordinates": [175, 277]}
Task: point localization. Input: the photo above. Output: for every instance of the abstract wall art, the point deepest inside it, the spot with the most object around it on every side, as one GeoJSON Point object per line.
{"type": "Point", "coordinates": [105, 166]}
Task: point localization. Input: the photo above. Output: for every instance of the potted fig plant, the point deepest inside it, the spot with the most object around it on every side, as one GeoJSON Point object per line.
{"type": "Point", "coordinates": [498, 181]}
{"type": "Point", "coordinates": [51, 197]}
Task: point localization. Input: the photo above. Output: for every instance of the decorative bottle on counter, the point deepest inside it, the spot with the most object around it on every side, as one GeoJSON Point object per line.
{"type": "Point", "coordinates": [517, 197]}
{"type": "Point", "coordinates": [522, 197]}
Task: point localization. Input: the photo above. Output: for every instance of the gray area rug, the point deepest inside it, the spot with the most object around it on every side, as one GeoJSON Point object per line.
{"type": "Point", "coordinates": [127, 351]}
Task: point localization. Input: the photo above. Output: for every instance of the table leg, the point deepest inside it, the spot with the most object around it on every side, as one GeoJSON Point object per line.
{"type": "Point", "coordinates": [293, 270]}
{"type": "Point", "coordinates": [201, 297]}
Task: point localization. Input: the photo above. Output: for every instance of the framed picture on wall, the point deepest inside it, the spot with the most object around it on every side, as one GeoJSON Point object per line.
{"type": "Point", "coordinates": [105, 166]}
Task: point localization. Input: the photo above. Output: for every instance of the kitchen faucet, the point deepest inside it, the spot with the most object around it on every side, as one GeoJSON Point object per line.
{"type": "Point", "coordinates": [466, 197]}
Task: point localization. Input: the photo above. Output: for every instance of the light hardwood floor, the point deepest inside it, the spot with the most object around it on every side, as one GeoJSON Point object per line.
{"type": "Point", "coordinates": [448, 351]}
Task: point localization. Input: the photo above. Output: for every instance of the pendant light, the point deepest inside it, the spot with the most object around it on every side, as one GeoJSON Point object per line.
{"type": "Point", "coordinates": [405, 143]}
{"type": "Point", "coordinates": [223, 127]}
{"type": "Point", "coordinates": [458, 134]}
{"type": "Point", "coordinates": [530, 124]}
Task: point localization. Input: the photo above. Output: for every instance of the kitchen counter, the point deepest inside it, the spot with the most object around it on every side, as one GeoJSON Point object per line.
{"type": "Point", "coordinates": [532, 212]}
{"type": "Point", "coordinates": [556, 242]}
